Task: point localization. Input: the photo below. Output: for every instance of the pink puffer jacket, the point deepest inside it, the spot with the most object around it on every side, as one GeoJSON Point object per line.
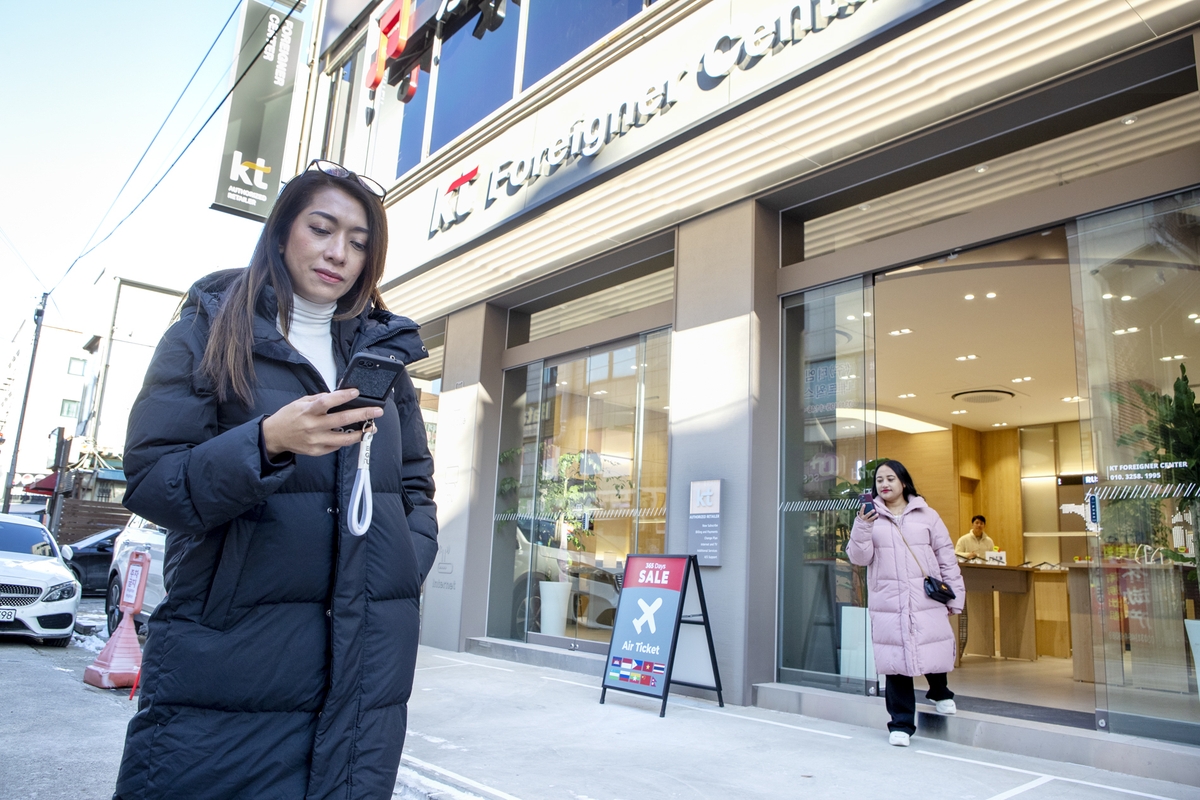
{"type": "Point", "coordinates": [911, 632]}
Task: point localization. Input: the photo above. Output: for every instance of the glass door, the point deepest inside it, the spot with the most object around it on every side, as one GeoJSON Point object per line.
{"type": "Point", "coordinates": [583, 473]}
{"type": "Point", "coordinates": [1137, 294]}
{"type": "Point", "coordinates": [828, 443]}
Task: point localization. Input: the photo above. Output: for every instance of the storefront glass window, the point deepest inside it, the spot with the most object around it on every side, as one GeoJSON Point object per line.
{"type": "Point", "coordinates": [426, 376]}
{"type": "Point", "coordinates": [343, 83]}
{"type": "Point", "coordinates": [561, 29]}
{"type": "Point", "coordinates": [475, 76]}
{"type": "Point", "coordinates": [828, 431]}
{"type": "Point", "coordinates": [412, 128]}
{"type": "Point", "coordinates": [1138, 291]}
{"type": "Point", "coordinates": [581, 483]}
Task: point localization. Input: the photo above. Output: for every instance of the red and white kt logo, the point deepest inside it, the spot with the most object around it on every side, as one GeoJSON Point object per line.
{"type": "Point", "coordinates": [456, 203]}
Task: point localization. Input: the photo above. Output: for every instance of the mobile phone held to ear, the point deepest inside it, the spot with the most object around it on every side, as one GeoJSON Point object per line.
{"type": "Point", "coordinates": [868, 503]}
{"type": "Point", "coordinates": [374, 377]}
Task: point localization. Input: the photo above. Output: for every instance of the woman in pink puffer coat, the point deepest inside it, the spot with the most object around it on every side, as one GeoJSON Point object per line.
{"type": "Point", "coordinates": [901, 541]}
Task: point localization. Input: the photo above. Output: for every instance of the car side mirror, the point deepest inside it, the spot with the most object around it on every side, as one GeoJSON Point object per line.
{"type": "Point", "coordinates": [104, 547]}
{"type": "Point", "coordinates": [67, 552]}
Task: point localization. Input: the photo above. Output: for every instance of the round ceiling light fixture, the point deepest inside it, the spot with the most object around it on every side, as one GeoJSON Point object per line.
{"type": "Point", "coordinates": [983, 396]}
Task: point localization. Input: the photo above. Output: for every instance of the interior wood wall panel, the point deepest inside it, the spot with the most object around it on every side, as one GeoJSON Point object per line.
{"type": "Point", "coordinates": [929, 458]}
{"type": "Point", "coordinates": [968, 472]}
{"type": "Point", "coordinates": [1000, 462]}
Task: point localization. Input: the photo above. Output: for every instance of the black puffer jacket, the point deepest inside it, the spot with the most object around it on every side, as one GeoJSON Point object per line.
{"type": "Point", "coordinates": [281, 662]}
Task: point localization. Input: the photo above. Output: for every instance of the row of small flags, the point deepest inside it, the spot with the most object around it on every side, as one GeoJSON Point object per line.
{"type": "Point", "coordinates": [635, 670]}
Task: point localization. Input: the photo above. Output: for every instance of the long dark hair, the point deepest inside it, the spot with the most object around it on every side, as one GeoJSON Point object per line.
{"type": "Point", "coordinates": [228, 357]}
{"type": "Point", "coordinates": [910, 489]}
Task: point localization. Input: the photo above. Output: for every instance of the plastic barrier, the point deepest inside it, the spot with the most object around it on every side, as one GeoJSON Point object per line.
{"type": "Point", "coordinates": [120, 661]}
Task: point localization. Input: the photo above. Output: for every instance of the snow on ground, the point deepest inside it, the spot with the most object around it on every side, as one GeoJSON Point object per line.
{"type": "Point", "coordinates": [93, 643]}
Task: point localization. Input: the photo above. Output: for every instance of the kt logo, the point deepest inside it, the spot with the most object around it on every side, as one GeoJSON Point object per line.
{"type": "Point", "coordinates": [249, 172]}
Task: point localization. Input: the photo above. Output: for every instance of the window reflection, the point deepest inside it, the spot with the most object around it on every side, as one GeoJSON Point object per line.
{"type": "Point", "coordinates": [475, 76]}
{"type": "Point", "coordinates": [561, 29]}
{"type": "Point", "coordinates": [582, 483]}
{"type": "Point", "coordinates": [412, 128]}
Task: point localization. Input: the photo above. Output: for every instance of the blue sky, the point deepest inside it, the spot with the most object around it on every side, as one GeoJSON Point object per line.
{"type": "Point", "coordinates": [85, 86]}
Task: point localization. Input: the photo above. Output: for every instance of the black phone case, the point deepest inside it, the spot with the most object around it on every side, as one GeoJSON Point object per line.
{"type": "Point", "coordinates": [374, 377]}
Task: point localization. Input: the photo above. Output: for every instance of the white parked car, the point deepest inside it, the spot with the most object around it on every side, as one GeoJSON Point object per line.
{"type": "Point", "coordinates": [39, 596]}
{"type": "Point", "coordinates": [139, 534]}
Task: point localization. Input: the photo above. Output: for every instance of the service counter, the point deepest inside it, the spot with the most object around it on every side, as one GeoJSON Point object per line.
{"type": "Point", "coordinates": [1033, 611]}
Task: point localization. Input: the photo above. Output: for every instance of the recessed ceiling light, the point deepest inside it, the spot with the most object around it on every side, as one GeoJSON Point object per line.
{"type": "Point", "coordinates": [865, 207]}
{"type": "Point", "coordinates": [1126, 297]}
{"type": "Point", "coordinates": [866, 313]}
{"type": "Point", "coordinates": [969, 297]}
{"type": "Point", "coordinates": [1165, 358]}
{"type": "Point", "coordinates": [1022, 380]}
{"type": "Point", "coordinates": [906, 396]}
{"type": "Point", "coordinates": [991, 295]}
{"type": "Point", "coordinates": [1129, 120]}
{"type": "Point", "coordinates": [602, 391]}
{"type": "Point", "coordinates": [972, 357]}
{"type": "Point", "coordinates": [901, 332]}
{"type": "Point", "coordinates": [1180, 358]}
{"type": "Point", "coordinates": [849, 427]}
{"type": "Point", "coordinates": [1132, 330]}
{"type": "Point", "coordinates": [1193, 316]}
{"type": "Point", "coordinates": [982, 168]}
{"type": "Point", "coordinates": [1075, 399]}
{"type": "Point", "coordinates": [666, 408]}
{"type": "Point", "coordinates": [960, 358]}
{"type": "Point", "coordinates": [1120, 332]}
{"type": "Point", "coordinates": [1107, 296]}
{"type": "Point", "coordinates": [999, 424]}
{"type": "Point", "coordinates": [958, 412]}
{"type": "Point", "coordinates": [851, 317]}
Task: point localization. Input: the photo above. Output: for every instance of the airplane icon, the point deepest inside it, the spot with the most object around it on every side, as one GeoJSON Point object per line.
{"type": "Point", "coordinates": [647, 617]}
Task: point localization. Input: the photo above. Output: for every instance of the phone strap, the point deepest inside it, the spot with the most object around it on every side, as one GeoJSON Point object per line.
{"type": "Point", "coordinates": [361, 508]}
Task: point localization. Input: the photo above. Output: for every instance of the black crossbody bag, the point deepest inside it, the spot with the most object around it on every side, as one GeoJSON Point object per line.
{"type": "Point", "coordinates": [935, 588]}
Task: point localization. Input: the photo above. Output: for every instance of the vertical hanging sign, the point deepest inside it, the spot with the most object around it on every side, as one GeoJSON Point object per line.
{"type": "Point", "coordinates": [272, 48]}
{"type": "Point", "coordinates": [661, 634]}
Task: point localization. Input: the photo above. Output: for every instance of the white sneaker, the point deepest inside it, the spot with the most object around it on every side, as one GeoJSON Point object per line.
{"type": "Point", "coordinates": [945, 707]}
{"type": "Point", "coordinates": [898, 738]}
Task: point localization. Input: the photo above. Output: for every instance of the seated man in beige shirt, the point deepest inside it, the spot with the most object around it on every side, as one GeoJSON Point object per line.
{"type": "Point", "coordinates": [975, 543]}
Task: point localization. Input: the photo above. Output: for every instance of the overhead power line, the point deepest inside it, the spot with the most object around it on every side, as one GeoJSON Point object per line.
{"type": "Point", "coordinates": [21, 258]}
{"type": "Point", "coordinates": [186, 147]}
{"type": "Point", "coordinates": [155, 137]}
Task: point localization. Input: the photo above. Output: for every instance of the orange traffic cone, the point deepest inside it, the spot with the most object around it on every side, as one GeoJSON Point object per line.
{"type": "Point", "coordinates": [120, 662]}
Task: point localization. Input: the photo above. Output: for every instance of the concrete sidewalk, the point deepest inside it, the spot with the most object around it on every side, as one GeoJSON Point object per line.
{"type": "Point", "coordinates": [482, 727]}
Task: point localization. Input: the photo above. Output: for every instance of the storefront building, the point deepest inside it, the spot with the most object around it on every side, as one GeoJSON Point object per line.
{"type": "Point", "coordinates": [767, 243]}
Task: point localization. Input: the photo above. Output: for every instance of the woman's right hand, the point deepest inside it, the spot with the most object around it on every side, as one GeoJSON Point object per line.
{"type": "Point", "coordinates": [305, 426]}
{"type": "Point", "coordinates": [871, 517]}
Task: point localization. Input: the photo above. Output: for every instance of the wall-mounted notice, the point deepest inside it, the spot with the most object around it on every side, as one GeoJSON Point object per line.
{"type": "Point", "coordinates": [704, 523]}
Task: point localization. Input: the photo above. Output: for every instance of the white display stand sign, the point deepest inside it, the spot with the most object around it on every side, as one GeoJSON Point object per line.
{"type": "Point", "coordinates": [858, 653]}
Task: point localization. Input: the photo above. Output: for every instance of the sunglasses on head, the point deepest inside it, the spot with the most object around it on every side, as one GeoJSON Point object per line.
{"type": "Point", "coordinates": [338, 171]}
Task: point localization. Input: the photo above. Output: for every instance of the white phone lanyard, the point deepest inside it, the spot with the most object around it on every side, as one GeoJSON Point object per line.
{"type": "Point", "coordinates": [361, 507]}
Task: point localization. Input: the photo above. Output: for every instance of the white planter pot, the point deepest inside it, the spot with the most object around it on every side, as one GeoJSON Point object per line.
{"type": "Point", "coordinates": [1192, 626]}
{"type": "Point", "coordinates": [555, 596]}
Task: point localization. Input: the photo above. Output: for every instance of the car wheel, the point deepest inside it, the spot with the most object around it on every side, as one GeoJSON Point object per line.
{"type": "Point", "coordinates": [527, 605]}
{"type": "Point", "coordinates": [78, 575]}
{"type": "Point", "coordinates": [61, 641]}
{"type": "Point", "coordinates": [112, 602]}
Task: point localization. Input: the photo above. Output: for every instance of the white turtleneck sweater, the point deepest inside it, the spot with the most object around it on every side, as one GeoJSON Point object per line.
{"type": "Point", "coordinates": [310, 333]}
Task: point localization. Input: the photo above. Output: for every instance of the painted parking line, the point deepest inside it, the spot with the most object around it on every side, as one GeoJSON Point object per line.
{"type": "Point", "coordinates": [573, 683]}
{"type": "Point", "coordinates": [473, 663]}
{"type": "Point", "coordinates": [440, 666]}
{"type": "Point", "coordinates": [763, 721]}
{"type": "Point", "coordinates": [462, 779]}
{"type": "Point", "coordinates": [1024, 787]}
{"type": "Point", "coordinates": [1032, 784]}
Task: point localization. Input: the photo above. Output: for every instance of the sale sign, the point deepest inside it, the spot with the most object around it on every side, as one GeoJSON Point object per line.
{"type": "Point", "coordinates": [646, 630]}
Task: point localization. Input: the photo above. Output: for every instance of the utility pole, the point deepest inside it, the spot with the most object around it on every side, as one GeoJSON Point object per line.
{"type": "Point", "coordinates": [38, 313]}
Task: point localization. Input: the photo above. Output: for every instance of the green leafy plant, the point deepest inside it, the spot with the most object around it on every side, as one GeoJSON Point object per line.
{"type": "Point", "coordinates": [1171, 433]}
{"type": "Point", "coordinates": [567, 496]}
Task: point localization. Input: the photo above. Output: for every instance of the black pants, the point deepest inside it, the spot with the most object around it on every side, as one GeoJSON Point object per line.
{"type": "Point", "coordinates": [902, 701]}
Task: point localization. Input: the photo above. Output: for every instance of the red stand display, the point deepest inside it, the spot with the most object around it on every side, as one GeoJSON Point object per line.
{"type": "Point", "coordinates": [120, 661]}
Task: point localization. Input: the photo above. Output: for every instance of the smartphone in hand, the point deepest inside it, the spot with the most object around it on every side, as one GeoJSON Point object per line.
{"type": "Point", "coordinates": [867, 501]}
{"type": "Point", "coordinates": [374, 377]}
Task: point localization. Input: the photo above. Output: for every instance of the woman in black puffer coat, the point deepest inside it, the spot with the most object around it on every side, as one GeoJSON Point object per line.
{"type": "Point", "coordinates": [281, 661]}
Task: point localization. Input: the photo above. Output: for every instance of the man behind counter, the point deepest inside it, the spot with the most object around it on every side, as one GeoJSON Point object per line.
{"type": "Point", "coordinates": [975, 543]}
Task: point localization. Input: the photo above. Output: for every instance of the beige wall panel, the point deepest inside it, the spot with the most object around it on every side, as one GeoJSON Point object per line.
{"type": "Point", "coordinates": [1052, 613]}
{"type": "Point", "coordinates": [1001, 464]}
{"type": "Point", "coordinates": [929, 458]}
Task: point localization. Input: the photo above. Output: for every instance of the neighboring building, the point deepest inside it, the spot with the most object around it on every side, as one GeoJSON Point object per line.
{"type": "Point", "coordinates": [765, 243]}
{"type": "Point", "coordinates": [57, 394]}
